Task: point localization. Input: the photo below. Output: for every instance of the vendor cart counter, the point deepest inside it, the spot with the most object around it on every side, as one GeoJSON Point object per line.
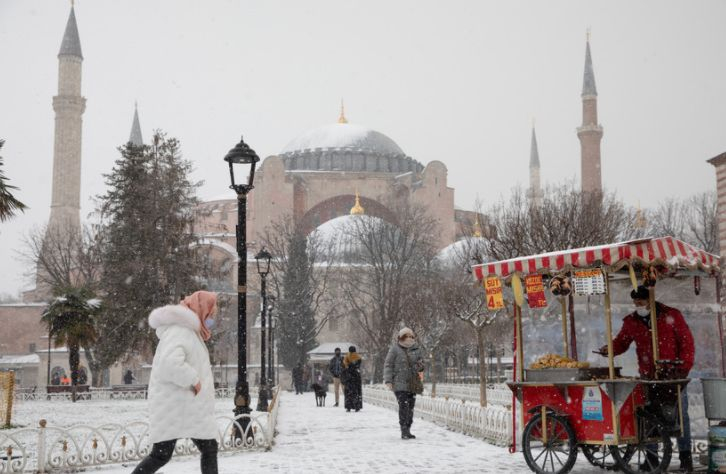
{"type": "Point", "coordinates": [589, 405]}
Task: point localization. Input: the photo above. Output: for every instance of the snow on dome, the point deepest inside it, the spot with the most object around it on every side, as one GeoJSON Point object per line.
{"type": "Point", "coordinates": [461, 251]}
{"type": "Point", "coordinates": [334, 228]}
{"type": "Point", "coordinates": [332, 240]}
{"type": "Point", "coordinates": [344, 136]}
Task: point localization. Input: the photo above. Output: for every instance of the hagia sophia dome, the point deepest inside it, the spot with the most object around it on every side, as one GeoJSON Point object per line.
{"type": "Point", "coordinates": [343, 146]}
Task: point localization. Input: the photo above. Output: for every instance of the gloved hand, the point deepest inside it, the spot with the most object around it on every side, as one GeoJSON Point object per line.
{"type": "Point", "coordinates": [389, 386]}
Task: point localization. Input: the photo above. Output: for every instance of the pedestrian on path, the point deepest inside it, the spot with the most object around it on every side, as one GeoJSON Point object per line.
{"type": "Point", "coordinates": [335, 367]}
{"type": "Point", "coordinates": [401, 370]}
{"type": "Point", "coordinates": [297, 378]}
{"type": "Point", "coordinates": [351, 378]}
{"type": "Point", "coordinates": [181, 387]}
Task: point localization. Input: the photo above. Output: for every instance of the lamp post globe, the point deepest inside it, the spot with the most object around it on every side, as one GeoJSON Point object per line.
{"type": "Point", "coordinates": [263, 259]}
{"type": "Point", "coordinates": [242, 160]}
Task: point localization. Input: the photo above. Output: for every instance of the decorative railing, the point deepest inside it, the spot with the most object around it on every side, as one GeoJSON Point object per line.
{"type": "Point", "coordinates": [491, 423]}
{"type": "Point", "coordinates": [104, 393]}
{"type": "Point", "coordinates": [497, 394]}
{"type": "Point", "coordinates": [47, 448]}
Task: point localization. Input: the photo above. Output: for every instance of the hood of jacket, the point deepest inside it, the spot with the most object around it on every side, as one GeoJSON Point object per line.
{"type": "Point", "coordinates": [173, 315]}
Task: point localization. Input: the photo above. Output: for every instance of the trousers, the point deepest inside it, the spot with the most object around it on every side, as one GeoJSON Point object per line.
{"type": "Point", "coordinates": [161, 454]}
{"type": "Point", "coordinates": [336, 387]}
{"type": "Point", "coordinates": [406, 402]}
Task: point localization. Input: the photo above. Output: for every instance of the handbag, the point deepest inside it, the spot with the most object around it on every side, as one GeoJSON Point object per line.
{"type": "Point", "coordinates": [415, 385]}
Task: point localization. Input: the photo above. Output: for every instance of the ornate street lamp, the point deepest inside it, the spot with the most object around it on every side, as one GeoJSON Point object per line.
{"type": "Point", "coordinates": [263, 259]}
{"type": "Point", "coordinates": [242, 160]}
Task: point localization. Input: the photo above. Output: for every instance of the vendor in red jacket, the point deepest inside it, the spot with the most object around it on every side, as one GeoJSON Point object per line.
{"type": "Point", "coordinates": [675, 342]}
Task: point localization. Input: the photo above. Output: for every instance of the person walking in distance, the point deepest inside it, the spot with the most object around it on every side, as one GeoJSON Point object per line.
{"type": "Point", "coordinates": [335, 367]}
{"type": "Point", "coordinates": [129, 377]}
{"type": "Point", "coordinates": [181, 386]}
{"type": "Point", "coordinates": [401, 370]}
{"type": "Point", "coordinates": [351, 378]}
{"type": "Point", "coordinates": [297, 378]}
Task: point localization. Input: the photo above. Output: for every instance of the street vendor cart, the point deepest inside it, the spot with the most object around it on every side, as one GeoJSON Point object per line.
{"type": "Point", "coordinates": [623, 423]}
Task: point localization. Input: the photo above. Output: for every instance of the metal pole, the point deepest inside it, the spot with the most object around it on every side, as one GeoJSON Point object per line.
{"type": "Point", "coordinates": [654, 330]}
{"type": "Point", "coordinates": [262, 399]}
{"type": "Point", "coordinates": [573, 333]}
{"type": "Point", "coordinates": [270, 351]}
{"type": "Point", "coordinates": [242, 389]}
{"type": "Point", "coordinates": [49, 338]}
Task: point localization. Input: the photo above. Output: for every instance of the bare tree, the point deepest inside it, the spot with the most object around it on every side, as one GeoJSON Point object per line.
{"type": "Point", "coordinates": [382, 280]}
{"type": "Point", "coordinates": [302, 266]}
{"type": "Point", "coordinates": [566, 218]}
{"type": "Point", "coordinates": [693, 220]}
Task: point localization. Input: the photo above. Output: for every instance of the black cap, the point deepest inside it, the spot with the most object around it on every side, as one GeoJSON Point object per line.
{"type": "Point", "coordinates": [351, 349]}
{"type": "Point", "coordinates": [642, 293]}
{"type": "Point", "coordinates": [337, 349]}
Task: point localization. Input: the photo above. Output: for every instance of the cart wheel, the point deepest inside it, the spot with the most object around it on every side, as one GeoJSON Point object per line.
{"type": "Point", "coordinates": [600, 456]}
{"type": "Point", "coordinates": [651, 454]}
{"type": "Point", "coordinates": [558, 453]}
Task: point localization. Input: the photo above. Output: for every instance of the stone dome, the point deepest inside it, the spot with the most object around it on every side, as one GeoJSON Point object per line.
{"type": "Point", "coordinates": [346, 147]}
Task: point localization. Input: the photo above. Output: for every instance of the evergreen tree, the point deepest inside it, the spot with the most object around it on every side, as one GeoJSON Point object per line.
{"type": "Point", "coordinates": [8, 204]}
{"type": "Point", "coordinates": [297, 325]}
{"type": "Point", "coordinates": [147, 257]}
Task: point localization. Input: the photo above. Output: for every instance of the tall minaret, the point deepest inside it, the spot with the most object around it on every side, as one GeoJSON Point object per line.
{"type": "Point", "coordinates": [69, 105]}
{"type": "Point", "coordinates": [590, 133]}
{"type": "Point", "coordinates": [135, 137]}
{"type": "Point", "coordinates": [535, 187]}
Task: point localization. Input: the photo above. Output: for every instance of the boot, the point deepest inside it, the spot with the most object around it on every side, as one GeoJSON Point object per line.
{"type": "Point", "coordinates": [406, 433]}
{"type": "Point", "coordinates": [686, 461]}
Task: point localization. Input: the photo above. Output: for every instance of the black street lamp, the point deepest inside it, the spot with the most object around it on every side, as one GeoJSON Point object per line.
{"type": "Point", "coordinates": [263, 259]}
{"type": "Point", "coordinates": [271, 341]}
{"type": "Point", "coordinates": [244, 159]}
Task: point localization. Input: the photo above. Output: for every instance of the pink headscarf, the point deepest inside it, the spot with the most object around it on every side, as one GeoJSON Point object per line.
{"type": "Point", "coordinates": [204, 304]}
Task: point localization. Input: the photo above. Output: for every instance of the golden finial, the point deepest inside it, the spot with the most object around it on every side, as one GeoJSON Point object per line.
{"type": "Point", "coordinates": [357, 210]}
{"type": "Point", "coordinates": [477, 226]}
{"type": "Point", "coordinates": [640, 221]}
{"type": "Point", "coordinates": [587, 34]}
{"type": "Point", "coordinates": [342, 118]}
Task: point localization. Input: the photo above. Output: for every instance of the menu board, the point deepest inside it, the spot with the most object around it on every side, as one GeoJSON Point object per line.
{"type": "Point", "coordinates": [535, 291]}
{"type": "Point", "coordinates": [589, 282]}
{"type": "Point", "coordinates": [495, 298]}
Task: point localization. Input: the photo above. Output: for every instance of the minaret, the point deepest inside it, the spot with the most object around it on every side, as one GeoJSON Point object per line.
{"type": "Point", "coordinates": [69, 105]}
{"type": "Point", "coordinates": [535, 187]}
{"type": "Point", "coordinates": [590, 133]}
{"type": "Point", "coordinates": [135, 136]}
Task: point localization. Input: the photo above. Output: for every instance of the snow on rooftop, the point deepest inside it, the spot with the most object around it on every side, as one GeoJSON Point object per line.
{"type": "Point", "coordinates": [344, 136]}
{"type": "Point", "coordinates": [19, 359]}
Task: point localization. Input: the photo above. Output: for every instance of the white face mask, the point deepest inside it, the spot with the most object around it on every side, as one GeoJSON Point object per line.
{"type": "Point", "coordinates": [642, 311]}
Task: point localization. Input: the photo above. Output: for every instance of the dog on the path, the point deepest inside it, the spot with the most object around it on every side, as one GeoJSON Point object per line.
{"type": "Point", "coordinates": [320, 394]}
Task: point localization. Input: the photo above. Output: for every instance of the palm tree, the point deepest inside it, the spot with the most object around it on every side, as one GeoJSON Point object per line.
{"type": "Point", "coordinates": [8, 204]}
{"type": "Point", "coordinates": [71, 321]}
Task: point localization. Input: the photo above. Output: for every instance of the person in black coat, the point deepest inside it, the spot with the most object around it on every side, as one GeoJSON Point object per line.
{"type": "Point", "coordinates": [297, 378]}
{"type": "Point", "coordinates": [351, 379]}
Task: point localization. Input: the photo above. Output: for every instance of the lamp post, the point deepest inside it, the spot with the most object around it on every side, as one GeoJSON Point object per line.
{"type": "Point", "coordinates": [244, 159]}
{"type": "Point", "coordinates": [263, 259]}
{"type": "Point", "coordinates": [271, 341]}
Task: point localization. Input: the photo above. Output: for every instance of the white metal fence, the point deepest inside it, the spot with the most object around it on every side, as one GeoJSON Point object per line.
{"type": "Point", "coordinates": [47, 448]}
{"type": "Point", "coordinates": [491, 423]}
{"type": "Point", "coordinates": [497, 394]}
{"type": "Point", "coordinates": [105, 393]}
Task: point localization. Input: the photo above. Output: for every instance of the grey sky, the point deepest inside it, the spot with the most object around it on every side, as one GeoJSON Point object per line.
{"type": "Point", "coordinates": [456, 81]}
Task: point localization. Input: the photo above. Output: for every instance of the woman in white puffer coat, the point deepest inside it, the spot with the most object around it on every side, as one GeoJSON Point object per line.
{"type": "Point", "coordinates": [181, 386]}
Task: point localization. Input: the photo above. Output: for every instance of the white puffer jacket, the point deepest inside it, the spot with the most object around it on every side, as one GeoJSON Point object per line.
{"type": "Point", "coordinates": [181, 360]}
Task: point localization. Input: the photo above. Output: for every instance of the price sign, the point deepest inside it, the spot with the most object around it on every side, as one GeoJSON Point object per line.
{"type": "Point", "coordinates": [535, 291]}
{"type": "Point", "coordinates": [589, 282]}
{"type": "Point", "coordinates": [495, 299]}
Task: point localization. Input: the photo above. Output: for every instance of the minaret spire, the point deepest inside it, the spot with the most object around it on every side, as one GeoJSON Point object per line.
{"type": "Point", "coordinates": [535, 186]}
{"type": "Point", "coordinates": [69, 106]}
{"type": "Point", "coordinates": [590, 132]}
{"type": "Point", "coordinates": [135, 137]}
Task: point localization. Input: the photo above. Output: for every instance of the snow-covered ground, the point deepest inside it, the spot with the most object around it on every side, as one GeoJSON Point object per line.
{"type": "Point", "coordinates": [314, 440]}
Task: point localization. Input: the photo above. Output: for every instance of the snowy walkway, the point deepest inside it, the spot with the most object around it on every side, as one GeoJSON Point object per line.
{"type": "Point", "coordinates": [329, 440]}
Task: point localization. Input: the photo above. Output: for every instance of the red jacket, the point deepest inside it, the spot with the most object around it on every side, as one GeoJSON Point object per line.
{"type": "Point", "coordinates": [675, 340]}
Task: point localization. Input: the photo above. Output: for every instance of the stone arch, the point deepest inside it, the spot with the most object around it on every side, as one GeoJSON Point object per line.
{"type": "Point", "coordinates": [340, 206]}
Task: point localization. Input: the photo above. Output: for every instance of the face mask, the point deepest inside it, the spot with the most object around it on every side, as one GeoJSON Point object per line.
{"type": "Point", "coordinates": [209, 323]}
{"type": "Point", "coordinates": [642, 311]}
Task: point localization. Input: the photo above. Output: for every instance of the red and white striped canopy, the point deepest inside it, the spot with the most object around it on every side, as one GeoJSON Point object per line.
{"type": "Point", "coordinates": [666, 251]}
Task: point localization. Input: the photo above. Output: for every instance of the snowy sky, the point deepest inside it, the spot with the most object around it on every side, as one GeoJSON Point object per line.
{"type": "Point", "coordinates": [453, 81]}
